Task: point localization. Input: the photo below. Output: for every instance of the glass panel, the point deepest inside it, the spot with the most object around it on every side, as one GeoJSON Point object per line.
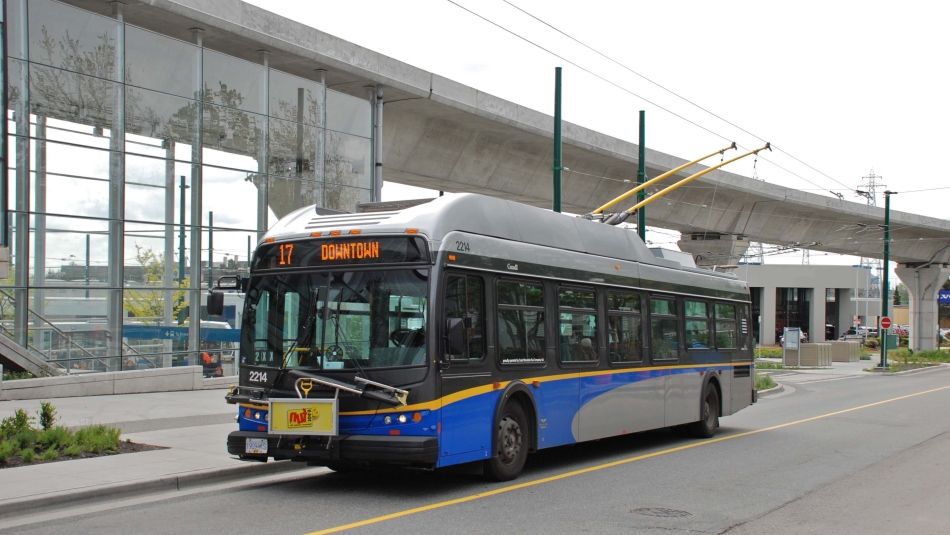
{"type": "Point", "coordinates": [159, 62]}
{"type": "Point", "coordinates": [342, 197]}
{"type": "Point", "coordinates": [159, 116]}
{"type": "Point", "coordinates": [663, 306]}
{"type": "Point", "coordinates": [72, 39]}
{"type": "Point", "coordinates": [348, 160]}
{"type": "Point", "coordinates": [664, 337]}
{"type": "Point", "coordinates": [627, 302]}
{"type": "Point", "coordinates": [233, 82]}
{"type": "Point", "coordinates": [293, 149]}
{"type": "Point", "coordinates": [71, 97]}
{"type": "Point", "coordinates": [349, 114]}
{"type": "Point", "coordinates": [521, 336]}
{"type": "Point", "coordinates": [465, 299]}
{"type": "Point", "coordinates": [66, 240]}
{"type": "Point", "coordinates": [14, 29]}
{"type": "Point", "coordinates": [624, 338]}
{"type": "Point", "coordinates": [145, 203]}
{"type": "Point", "coordinates": [577, 336]}
{"type": "Point", "coordinates": [232, 138]}
{"type": "Point", "coordinates": [69, 195]}
{"type": "Point", "coordinates": [295, 99]}
{"type": "Point", "coordinates": [15, 70]}
{"type": "Point", "coordinates": [695, 309]}
{"type": "Point", "coordinates": [725, 334]}
{"type": "Point", "coordinates": [75, 332]}
{"type": "Point", "coordinates": [341, 320]}
{"type": "Point", "coordinates": [575, 298]}
{"type": "Point", "coordinates": [151, 330]}
{"type": "Point", "coordinates": [145, 253]}
{"type": "Point", "coordinates": [519, 293]}
{"type": "Point", "coordinates": [287, 194]}
{"type": "Point", "coordinates": [224, 191]}
{"type": "Point", "coordinates": [724, 311]}
{"type": "Point", "coordinates": [697, 334]}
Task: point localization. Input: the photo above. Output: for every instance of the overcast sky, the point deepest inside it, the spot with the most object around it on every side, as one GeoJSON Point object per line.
{"type": "Point", "coordinates": [840, 88]}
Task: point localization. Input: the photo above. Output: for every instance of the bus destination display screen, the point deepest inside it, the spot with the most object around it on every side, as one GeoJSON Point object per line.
{"type": "Point", "coordinates": [341, 251]}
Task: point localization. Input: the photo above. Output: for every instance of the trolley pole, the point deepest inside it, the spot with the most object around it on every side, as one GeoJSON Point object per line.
{"type": "Point", "coordinates": [642, 177]}
{"type": "Point", "coordinates": [887, 269]}
{"type": "Point", "coordinates": [557, 139]}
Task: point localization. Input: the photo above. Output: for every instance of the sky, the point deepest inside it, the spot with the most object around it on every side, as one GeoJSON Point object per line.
{"type": "Point", "coordinates": [841, 89]}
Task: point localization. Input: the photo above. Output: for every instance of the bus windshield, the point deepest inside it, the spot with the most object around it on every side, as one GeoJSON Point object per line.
{"type": "Point", "coordinates": [335, 320]}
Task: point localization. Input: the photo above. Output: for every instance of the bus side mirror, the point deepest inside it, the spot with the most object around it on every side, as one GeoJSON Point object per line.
{"type": "Point", "coordinates": [455, 336]}
{"type": "Point", "coordinates": [215, 304]}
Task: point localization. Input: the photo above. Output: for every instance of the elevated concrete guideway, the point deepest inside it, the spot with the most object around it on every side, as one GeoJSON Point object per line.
{"type": "Point", "coordinates": [440, 134]}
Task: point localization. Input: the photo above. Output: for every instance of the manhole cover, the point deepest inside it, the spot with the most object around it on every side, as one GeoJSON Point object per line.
{"type": "Point", "coordinates": [662, 512]}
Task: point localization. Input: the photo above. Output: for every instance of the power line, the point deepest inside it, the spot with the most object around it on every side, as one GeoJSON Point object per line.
{"type": "Point", "coordinates": [684, 99]}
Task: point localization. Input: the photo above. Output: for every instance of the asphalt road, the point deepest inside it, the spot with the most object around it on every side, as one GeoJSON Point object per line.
{"type": "Point", "coordinates": [857, 455]}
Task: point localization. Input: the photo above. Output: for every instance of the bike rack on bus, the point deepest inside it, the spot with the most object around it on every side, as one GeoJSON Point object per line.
{"type": "Point", "coordinates": [364, 388]}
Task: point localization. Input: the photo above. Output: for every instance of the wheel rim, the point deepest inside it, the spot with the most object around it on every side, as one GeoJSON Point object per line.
{"type": "Point", "coordinates": [709, 412]}
{"type": "Point", "coordinates": [509, 440]}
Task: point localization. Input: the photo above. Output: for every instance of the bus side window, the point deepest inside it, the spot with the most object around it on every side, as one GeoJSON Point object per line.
{"type": "Point", "coordinates": [465, 301]}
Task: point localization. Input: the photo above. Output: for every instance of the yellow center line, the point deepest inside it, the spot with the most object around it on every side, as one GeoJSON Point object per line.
{"type": "Point", "coordinates": [605, 466]}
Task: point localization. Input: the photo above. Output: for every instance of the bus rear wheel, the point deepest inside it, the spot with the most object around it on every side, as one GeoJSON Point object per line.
{"type": "Point", "coordinates": [708, 422]}
{"type": "Point", "coordinates": [511, 444]}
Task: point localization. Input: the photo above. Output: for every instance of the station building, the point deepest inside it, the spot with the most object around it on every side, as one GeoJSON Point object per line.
{"type": "Point", "coordinates": [151, 144]}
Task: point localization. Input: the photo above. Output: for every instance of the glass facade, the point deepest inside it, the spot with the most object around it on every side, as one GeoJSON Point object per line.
{"type": "Point", "coordinates": [140, 168]}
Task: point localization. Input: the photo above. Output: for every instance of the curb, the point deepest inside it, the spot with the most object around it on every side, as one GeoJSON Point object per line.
{"type": "Point", "coordinates": [33, 504]}
{"type": "Point", "coordinates": [774, 390]}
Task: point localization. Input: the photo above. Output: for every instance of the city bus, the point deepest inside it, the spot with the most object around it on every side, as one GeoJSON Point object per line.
{"type": "Point", "coordinates": [474, 329]}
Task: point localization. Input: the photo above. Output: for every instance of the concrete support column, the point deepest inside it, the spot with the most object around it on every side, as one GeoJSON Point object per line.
{"type": "Point", "coordinates": [816, 321]}
{"type": "Point", "coordinates": [767, 311]}
{"type": "Point", "coordinates": [922, 285]}
{"type": "Point", "coordinates": [713, 249]}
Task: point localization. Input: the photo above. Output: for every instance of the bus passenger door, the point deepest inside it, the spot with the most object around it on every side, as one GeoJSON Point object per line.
{"type": "Point", "coordinates": [464, 367]}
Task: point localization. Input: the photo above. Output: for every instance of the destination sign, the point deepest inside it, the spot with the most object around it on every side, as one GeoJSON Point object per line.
{"type": "Point", "coordinates": [334, 251]}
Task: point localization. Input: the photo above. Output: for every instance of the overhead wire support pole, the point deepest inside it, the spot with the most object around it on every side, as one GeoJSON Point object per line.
{"type": "Point", "coordinates": [557, 139]}
{"type": "Point", "coordinates": [642, 177]}
{"type": "Point", "coordinates": [654, 180]}
{"type": "Point", "coordinates": [687, 180]}
{"type": "Point", "coordinates": [887, 269]}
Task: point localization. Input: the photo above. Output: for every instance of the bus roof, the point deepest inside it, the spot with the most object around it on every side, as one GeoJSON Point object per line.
{"type": "Point", "coordinates": [486, 216]}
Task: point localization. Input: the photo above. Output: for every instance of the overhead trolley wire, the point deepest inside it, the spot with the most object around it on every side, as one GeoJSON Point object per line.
{"type": "Point", "coordinates": [671, 112]}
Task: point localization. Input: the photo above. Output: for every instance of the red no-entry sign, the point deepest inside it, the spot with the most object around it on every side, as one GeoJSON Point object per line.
{"type": "Point", "coordinates": [885, 322]}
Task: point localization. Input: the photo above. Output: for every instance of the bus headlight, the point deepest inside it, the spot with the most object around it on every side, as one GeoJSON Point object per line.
{"type": "Point", "coordinates": [402, 418]}
{"type": "Point", "coordinates": [388, 420]}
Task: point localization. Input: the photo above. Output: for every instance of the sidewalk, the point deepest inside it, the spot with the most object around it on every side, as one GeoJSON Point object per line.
{"type": "Point", "coordinates": [192, 425]}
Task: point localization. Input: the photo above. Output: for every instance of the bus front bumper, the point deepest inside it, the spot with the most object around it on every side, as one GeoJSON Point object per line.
{"type": "Point", "coordinates": [383, 449]}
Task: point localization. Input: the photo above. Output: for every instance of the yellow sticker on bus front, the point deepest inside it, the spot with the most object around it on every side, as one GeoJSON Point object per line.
{"type": "Point", "coordinates": [303, 417]}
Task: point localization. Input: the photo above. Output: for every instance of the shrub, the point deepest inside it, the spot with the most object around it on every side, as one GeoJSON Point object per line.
{"type": "Point", "coordinates": [7, 449]}
{"type": "Point", "coordinates": [27, 455]}
{"type": "Point", "coordinates": [763, 382]}
{"type": "Point", "coordinates": [51, 454]}
{"type": "Point", "coordinates": [16, 424]}
{"type": "Point", "coordinates": [47, 415]}
{"type": "Point", "coordinates": [98, 438]}
{"type": "Point", "coordinates": [768, 352]}
{"type": "Point", "coordinates": [57, 437]}
{"type": "Point", "coordinates": [73, 450]}
{"type": "Point", "coordinates": [872, 343]}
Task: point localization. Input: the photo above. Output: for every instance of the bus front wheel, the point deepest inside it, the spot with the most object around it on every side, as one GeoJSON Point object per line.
{"type": "Point", "coordinates": [511, 444]}
{"type": "Point", "coordinates": [708, 422]}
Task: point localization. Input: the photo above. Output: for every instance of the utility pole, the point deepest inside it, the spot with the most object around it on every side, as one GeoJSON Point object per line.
{"type": "Point", "coordinates": [642, 177]}
{"type": "Point", "coordinates": [884, 286]}
{"type": "Point", "coordinates": [868, 190]}
{"type": "Point", "coordinates": [557, 139]}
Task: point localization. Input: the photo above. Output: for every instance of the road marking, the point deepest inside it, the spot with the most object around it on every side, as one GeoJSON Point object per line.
{"type": "Point", "coordinates": [604, 466]}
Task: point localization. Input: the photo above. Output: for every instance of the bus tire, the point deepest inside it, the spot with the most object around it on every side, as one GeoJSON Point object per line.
{"type": "Point", "coordinates": [511, 444]}
{"type": "Point", "coordinates": [708, 422]}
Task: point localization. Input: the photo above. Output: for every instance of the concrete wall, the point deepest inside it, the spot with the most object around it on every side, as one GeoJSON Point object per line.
{"type": "Point", "coordinates": [107, 383]}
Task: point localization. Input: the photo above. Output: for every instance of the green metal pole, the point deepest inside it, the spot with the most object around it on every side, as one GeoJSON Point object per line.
{"type": "Point", "coordinates": [887, 269]}
{"type": "Point", "coordinates": [642, 177]}
{"type": "Point", "coordinates": [557, 139]}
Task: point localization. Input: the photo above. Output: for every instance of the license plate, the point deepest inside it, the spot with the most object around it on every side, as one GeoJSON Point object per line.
{"type": "Point", "coordinates": [257, 446]}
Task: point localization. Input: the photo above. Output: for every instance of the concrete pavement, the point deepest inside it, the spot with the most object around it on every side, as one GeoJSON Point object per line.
{"type": "Point", "coordinates": [192, 426]}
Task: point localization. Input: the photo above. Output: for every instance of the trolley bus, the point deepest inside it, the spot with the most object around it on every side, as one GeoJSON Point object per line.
{"type": "Point", "coordinates": [475, 329]}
